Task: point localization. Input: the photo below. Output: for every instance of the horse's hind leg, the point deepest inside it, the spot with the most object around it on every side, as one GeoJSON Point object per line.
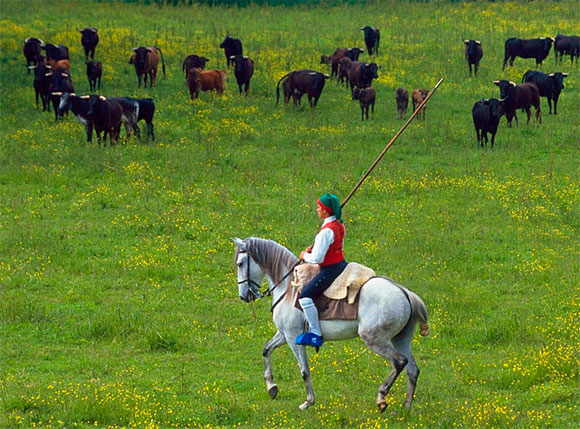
{"type": "Point", "coordinates": [398, 362]}
{"type": "Point", "coordinates": [402, 343]}
{"type": "Point", "coordinates": [276, 341]}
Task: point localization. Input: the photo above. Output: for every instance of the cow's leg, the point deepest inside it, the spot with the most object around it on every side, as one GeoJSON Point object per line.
{"type": "Point", "coordinates": [493, 138]}
{"type": "Point", "coordinates": [529, 114]}
{"type": "Point", "coordinates": [373, 111]}
{"type": "Point", "coordinates": [469, 64]}
{"type": "Point", "coordinates": [555, 105]}
{"type": "Point", "coordinates": [476, 66]}
{"type": "Point", "coordinates": [89, 131]}
{"type": "Point", "coordinates": [99, 82]}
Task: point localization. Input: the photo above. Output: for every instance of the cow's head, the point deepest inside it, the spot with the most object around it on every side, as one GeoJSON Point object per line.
{"type": "Point", "coordinates": [228, 41]}
{"type": "Point", "coordinates": [140, 57]}
{"type": "Point", "coordinates": [506, 88]}
{"type": "Point", "coordinates": [239, 62]}
{"type": "Point", "coordinates": [353, 53]}
{"type": "Point", "coordinates": [558, 79]}
{"type": "Point", "coordinates": [471, 45]}
{"type": "Point", "coordinates": [373, 69]}
{"type": "Point", "coordinates": [94, 102]}
{"type": "Point", "coordinates": [355, 93]}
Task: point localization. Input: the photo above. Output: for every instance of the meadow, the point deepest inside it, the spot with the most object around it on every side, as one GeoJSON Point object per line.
{"type": "Point", "coordinates": [118, 296]}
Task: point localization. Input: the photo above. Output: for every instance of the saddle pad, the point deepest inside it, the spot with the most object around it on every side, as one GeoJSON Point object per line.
{"type": "Point", "coordinates": [334, 309]}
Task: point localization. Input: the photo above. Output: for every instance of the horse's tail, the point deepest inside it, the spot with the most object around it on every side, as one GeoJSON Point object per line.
{"type": "Point", "coordinates": [419, 311]}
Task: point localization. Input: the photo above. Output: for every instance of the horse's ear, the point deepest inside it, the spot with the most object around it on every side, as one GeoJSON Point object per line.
{"type": "Point", "coordinates": [240, 243]}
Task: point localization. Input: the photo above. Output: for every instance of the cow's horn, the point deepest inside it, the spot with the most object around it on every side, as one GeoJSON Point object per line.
{"type": "Point", "coordinates": [48, 74]}
{"type": "Point", "coordinates": [32, 67]}
{"type": "Point", "coordinates": [134, 49]}
{"type": "Point", "coordinates": [465, 41]}
{"type": "Point", "coordinates": [26, 40]}
{"type": "Point", "coordinates": [56, 93]}
{"type": "Point", "coordinates": [84, 97]}
{"type": "Point", "coordinates": [496, 82]}
{"type": "Point", "coordinates": [478, 42]}
{"type": "Point", "coordinates": [102, 98]}
{"type": "Point", "coordinates": [326, 75]}
{"type": "Point", "coordinates": [503, 99]}
{"type": "Point", "coordinates": [551, 74]}
{"type": "Point", "coordinates": [553, 40]}
{"type": "Point", "coordinates": [232, 57]}
{"type": "Point", "coordinates": [565, 74]}
{"type": "Point", "coordinates": [512, 83]}
{"type": "Point", "coordinates": [312, 73]}
{"type": "Point", "coordinates": [245, 57]}
{"type": "Point", "coordinates": [64, 74]}
{"type": "Point", "coordinates": [362, 28]}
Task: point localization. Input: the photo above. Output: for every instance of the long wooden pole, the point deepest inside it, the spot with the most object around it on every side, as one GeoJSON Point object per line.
{"type": "Point", "coordinates": [415, 113]}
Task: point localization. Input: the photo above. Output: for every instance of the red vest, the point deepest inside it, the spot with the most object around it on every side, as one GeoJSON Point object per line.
{"type": "Point", "coordinates": [334, 253]}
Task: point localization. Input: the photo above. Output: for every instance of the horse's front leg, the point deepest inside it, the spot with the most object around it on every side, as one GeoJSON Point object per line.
{"type": "Point", "coordinates": [277, 340]}
{"type": "Point", "coordinates": [302, 358]}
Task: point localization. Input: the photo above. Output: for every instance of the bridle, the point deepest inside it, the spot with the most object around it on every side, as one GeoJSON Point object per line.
{"type": "Point", "coordinates": [254, 287]}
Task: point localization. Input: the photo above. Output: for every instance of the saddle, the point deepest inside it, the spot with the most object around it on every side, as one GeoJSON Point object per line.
{"type": "Point", "coordinates": [340, 300]}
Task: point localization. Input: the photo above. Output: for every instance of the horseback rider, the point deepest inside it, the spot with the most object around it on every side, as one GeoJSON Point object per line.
{"type": "Point", "coordinates": [327, 253]}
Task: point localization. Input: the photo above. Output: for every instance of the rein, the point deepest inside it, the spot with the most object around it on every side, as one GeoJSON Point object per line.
{"type": "Point", "coordinates": [257, 294]}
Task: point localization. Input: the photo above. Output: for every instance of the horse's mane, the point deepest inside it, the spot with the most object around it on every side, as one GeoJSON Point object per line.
{"type": "Point", "coordinates": [270, 255]}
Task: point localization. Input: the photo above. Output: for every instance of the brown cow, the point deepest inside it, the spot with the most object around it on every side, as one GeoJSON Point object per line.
{"type": "Point", "coordinates": [339, 53]}
{"type": "Point", "coordinates": [418, 96]}
{"type": "Point", "coordinates": [343, 70]}
{"type": "Point", "coordinates": [402, 98]}
{"type": "Point", "coordinates": [145, 61]}
{"type": "Point", "coordinates": [516, 97]}
{"type": "Point", "coordinates": [206, 80]}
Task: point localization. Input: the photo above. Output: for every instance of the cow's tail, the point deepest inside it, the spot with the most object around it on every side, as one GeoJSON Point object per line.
{"type": "Point", "coordinates": [278, 88]}
{"type": "Point", "coordinates": [162, 61]}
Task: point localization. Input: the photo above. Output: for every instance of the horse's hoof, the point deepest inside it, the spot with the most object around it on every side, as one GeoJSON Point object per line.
{"type": "Point", "coordinates": [273, 391]}
{"type": "Point", "coordinates": [382, 406]}
{"type": "Point", "coordinates": [304, 406]}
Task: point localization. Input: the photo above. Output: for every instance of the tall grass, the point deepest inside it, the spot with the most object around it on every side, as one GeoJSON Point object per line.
{"type": "Point", "coordinates": [118, 302]}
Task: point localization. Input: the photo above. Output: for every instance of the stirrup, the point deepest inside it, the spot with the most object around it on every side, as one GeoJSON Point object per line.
{"type": "Point", "coordinates": [309, 339]}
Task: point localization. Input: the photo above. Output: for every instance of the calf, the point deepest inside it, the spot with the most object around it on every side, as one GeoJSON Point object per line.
{"type": "Point", "coordinates": [567, 45]}
{"type": "Point", "coordinates": [32, 50]}
{"type": "Point", "coordinates": [366, 98]}
{"type": "Point", "coordinates": [231, 47]}
{"type": "Point", "coordinates": [343, 70]}
{"type": "Point", "coordinates": [486, 115]}
{"type": "Point", "coordinates": [527, 48]}
{"type": "Point", "coordinates": [94, 73]}
{"type": "Point", "coordinates": [549, 85]}
{"type": "Point", "coordinates": [519, 97]}
{"type": "Point", "coordinates": [89, 40]}
{"type": "Point", "coordinates": [243, 70]}
{"type": "Point", "coordinates": [372, 39]}
{"type": "Point", "coordinates": [42, 78]}
{"type": "Point", "coordinates": [146, 61]}
{"type": "Point", "coordinates": [402, 98]}
{"type": "Point", "coordinates": [205, 80]}
{"type": "Point", "coordinates": [473, 54]}
{"type": "Point", "coordinates": [106, 115]}
{"type": "Point", "coordinates": [301, 82]}
{"type": "Point", "coordinates": [193, 61]}
{"type": "Point", "coordinates": [418, 96]}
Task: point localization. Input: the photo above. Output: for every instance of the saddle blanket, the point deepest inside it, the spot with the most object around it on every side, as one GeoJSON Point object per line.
{"type": "Point", "coordinates": [340, 300]}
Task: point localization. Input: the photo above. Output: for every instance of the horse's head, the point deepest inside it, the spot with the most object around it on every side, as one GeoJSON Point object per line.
{"type": "Point", "coordinates": [250, 275]}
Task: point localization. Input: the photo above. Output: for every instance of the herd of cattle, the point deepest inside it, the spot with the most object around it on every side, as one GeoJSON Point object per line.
{"type": "Point", "coordinates": [53, 84]}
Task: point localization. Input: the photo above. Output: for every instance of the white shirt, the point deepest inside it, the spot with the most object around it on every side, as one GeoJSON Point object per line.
{"type": "Point", "coordinates": [322, 242]}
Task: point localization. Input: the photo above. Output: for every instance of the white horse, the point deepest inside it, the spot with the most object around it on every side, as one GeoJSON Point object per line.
{"type": "Point", "coordinates": [387, 316]}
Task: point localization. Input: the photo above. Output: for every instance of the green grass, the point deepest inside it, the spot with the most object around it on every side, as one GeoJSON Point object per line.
{"type": "Point", "coordinates": [118, 298]}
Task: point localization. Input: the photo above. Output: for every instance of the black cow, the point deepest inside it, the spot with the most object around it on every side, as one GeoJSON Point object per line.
{"type": "Point", "coordinates": [486, 115]}
{"type": "Point", "coordinates": [55, 52]}
{"type": "Point", "coordinates": [473, 54]}
{"type": "Point", "coordinates": [372, 39]}
{"type": "Point", "coordinates": [94, 74]}
{"type": "Point", "coordinates": [301, 82]}
{"type": "Point", "coordinates": [550, 85]}
{"type": "Point", "coordinates": [366, 98]}
{"type": "Point", "coordinates": [243, 70]}
{"type": "Point", "coordinates": [193, 61]}
{"type": "Point", "coordinates": [567, 45]}
{"type": "Point", "coordinates": [32, 50]}
{"type": "Point", "coordinates": [134, 110]}
{"type": "Point", "coordinates": [89, 40]}
{"type": "Point", "coordinates": [231, 47]}
{"type": "Point", "coordinates": [106, 115]}
{"type": "Point", "coordinates": [42, 78]}
{"type": "Point", "coordinates": [60, 83]}
{"type": "Point", "coordinates": [527, 48]}
{"type": "Point", "coordinates": [362, 74]}
{"type": "Point", "coordinates": [80, 107]}
{"type": "Point", "coordinates": [519, 97]}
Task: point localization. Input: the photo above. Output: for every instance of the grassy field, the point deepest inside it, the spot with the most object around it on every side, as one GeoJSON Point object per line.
{"type": "Point", "coordinates": [118, 297]}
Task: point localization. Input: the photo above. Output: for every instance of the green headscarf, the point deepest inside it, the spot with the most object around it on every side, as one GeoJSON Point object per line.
{"type": "Point", "coordinates": [331, 201]}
